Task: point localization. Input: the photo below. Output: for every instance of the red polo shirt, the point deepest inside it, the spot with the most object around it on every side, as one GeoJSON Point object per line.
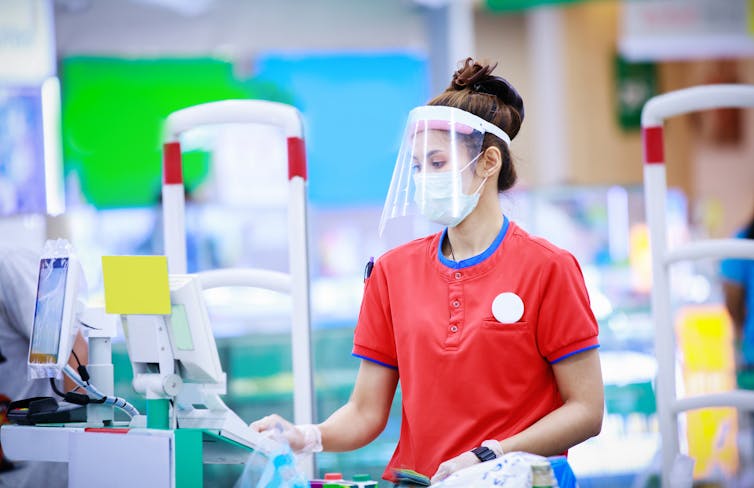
{"type": "Point", "coordinates": [465, 377]}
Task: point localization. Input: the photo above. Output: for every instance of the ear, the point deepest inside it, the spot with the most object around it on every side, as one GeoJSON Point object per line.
{"type": "Point", "coordinates": [489, 162]}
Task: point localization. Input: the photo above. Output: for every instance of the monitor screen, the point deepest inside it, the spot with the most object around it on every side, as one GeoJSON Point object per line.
{"type": "Point", "coordinates": [48, 314]}
{"type": "Point", "coordinates": [191, 333]}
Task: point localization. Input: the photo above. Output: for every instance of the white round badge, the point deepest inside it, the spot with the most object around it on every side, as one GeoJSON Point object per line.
{"type": "Point", "coordinates": [508, 308]}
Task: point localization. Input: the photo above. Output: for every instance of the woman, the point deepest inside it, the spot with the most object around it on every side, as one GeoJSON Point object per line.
{"type": "Point", "coordinates": [488, 329]}
{"type": "Point", "coordinates": [738, 288]}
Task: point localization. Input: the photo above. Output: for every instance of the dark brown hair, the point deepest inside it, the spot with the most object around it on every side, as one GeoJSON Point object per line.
{"type": "Point", "coordinates": [476, 90]}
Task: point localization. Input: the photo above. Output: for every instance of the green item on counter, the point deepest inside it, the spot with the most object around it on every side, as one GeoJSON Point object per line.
{"type": "Point", "coordinates": [362, 477]}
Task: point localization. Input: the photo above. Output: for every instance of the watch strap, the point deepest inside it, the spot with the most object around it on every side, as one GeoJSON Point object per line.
{"type": "Point", "coordinates": [495, 446]}
{"type": "Point", "coordinates": [484, 453]}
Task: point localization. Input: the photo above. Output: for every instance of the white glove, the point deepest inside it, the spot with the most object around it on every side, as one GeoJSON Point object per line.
{"type": "Point", "coordinates": [494, 446]}
{"type": "Point", "coordinates": [303, 439]}
{"type": "Point", "coordinates": [465, 460]}
{"type": "Point", "coordinates": [312, 439]}
{"type": "Point", "coordinates": [452, 465]}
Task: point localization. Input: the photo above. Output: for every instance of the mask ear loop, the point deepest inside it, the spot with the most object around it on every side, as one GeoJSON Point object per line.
{"type": "Point", "coordinates": [484, 180]}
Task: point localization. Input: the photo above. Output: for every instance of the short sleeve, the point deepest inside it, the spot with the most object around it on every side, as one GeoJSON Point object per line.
{"type": "Point", "coordinates": [18, 288]}
{"type": "Point", "coordinates": [374, 339]}
{"type": "Point", "coordinates": [735, 269]}
{"type": "Point", "coordinates": [566, 324]}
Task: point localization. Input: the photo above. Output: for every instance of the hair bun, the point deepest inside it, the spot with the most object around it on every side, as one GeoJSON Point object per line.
{"type": "Point", "coordinates": [479, 78]}
{"type": "Point", "coordinates": [470, 74]}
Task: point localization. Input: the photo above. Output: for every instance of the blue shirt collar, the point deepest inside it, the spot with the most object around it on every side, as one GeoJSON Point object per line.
{"type": "Point", "coordinates": [465, 263]}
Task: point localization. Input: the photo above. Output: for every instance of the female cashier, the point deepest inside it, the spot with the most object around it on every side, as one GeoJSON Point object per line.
{"type": "Point", "coordinates": [488, 328]}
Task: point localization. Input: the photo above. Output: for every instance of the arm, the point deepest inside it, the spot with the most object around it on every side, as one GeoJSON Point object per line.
{"type": "Point", "coordinates": [361, 420]}
{"type": "Point", "coordinates": [81, 348]}
{"type": "Point", "coordinates": [353, 425]}
{"type": "Point", "coordinates": [579, 379]}
{"type": "Point", "coordinates": [735, 303]}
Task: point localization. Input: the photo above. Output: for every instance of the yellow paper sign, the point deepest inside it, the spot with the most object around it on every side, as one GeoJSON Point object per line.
{"type": "Point", "coordinates": [136, 285]}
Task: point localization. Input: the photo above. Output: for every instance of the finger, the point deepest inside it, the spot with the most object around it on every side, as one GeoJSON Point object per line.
{"type": "Point", "coordinates": [441, 474]}
{"type": "Point", "coordinates": [263, 424]}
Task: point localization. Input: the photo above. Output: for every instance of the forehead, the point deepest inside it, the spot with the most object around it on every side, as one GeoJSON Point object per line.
{"type": "Point", "coordinates": [437, 140]}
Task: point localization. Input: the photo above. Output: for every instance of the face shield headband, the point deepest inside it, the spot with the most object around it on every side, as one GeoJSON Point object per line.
{"type": "Point", "coordinates": [434, 172]}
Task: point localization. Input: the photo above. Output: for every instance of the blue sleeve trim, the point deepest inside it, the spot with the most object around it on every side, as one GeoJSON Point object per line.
{"type": "Point", "coordinates": [375, 361]}
{"type": "Point", "coordinates": [574, 352]}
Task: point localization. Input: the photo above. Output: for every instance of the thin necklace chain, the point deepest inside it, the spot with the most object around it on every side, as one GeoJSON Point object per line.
{"type": "Point", "coordinates": [450, 245]}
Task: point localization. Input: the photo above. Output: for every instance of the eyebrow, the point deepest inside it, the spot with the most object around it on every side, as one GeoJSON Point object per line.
{"type": "Point", "coordinates": [429, 154]}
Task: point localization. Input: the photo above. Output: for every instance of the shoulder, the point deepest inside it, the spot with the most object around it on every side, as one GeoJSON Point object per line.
{"type": "Point", "coordinates": [16, 261]}
{"type": "Point", "coordinates": [536, 249]}
{"type": "Point", "coordinates": [412, 251]}
{"type": "Point", "coordinates": [744, 232]}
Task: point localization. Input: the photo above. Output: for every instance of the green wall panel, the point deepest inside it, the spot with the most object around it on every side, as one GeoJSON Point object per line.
{"type": "Point", "coordinates": [515, 5]}
{"type": "Point", "coordinates": [114, 111]}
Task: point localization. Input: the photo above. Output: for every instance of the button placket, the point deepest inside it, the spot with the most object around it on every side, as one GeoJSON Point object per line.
{"type": "Point", "coordinates": [455, 307]}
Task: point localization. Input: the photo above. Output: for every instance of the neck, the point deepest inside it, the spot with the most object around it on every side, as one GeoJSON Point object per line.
{"type": "Point", "coordinates": [477, 231]}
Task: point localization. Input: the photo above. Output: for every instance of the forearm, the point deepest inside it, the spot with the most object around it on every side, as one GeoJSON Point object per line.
{"type": "Point", "coordinates": [351, 427]}
{"type": "Point", "coordinates": [735, 303]}
{"type": "Point", "coordinates": [558, 431]}
{"type": "Point", "coordinates": [81, 348]}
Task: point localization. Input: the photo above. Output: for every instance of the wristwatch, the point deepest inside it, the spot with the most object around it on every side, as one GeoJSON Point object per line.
{"type": "Point", "coordinates": [484, 453]}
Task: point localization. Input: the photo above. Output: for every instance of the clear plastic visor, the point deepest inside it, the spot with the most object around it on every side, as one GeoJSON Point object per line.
{"type": "Point", "coordinates": [436, 161]}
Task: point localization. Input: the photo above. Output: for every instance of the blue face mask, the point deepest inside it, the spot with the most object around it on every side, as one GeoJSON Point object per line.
{"type": "Point", "coordinates": [440, 196]}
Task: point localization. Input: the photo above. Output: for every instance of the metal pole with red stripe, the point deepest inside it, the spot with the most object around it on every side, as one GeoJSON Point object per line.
{"type": "Point", "coordinates": [653, 116]}
{"type": "Point", "coordinates": [288, 120]}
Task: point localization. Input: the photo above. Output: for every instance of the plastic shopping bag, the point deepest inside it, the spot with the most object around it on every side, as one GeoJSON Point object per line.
{"type": "Point", "coordinates": [278, 470]}
{"type": "Point", "coordinates": [512, 470]}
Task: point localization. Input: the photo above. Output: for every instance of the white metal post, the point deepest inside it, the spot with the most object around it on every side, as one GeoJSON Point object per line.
{"type": "Point", "coordinates": [303, 384]}
{"type": "Point", "coordinates": [174, 208]}
{"type": "Point", "coordinates": [654, 197]}
{"type": "Point", "coordinates": [655, 111]}
{"type": "Point", "coordinates": [288, 119]}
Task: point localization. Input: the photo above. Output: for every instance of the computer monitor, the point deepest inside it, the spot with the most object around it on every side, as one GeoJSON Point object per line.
{"type": "Point", "coordinates": [54, 314]}
{"type": "Point", "coordinates": [175, 356]}
{"type": "Point", "coordinates": [191, 333]}
{"type": "Point", "coordinates": [180, 344]}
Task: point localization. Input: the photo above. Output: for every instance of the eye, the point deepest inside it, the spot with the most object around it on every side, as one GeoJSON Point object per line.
{"type": "Point", "coordinates": [437, 163]}
{"type": "Point", "coordinates": [416, 168]}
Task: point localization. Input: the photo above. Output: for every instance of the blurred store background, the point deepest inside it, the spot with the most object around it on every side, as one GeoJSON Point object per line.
{"type": "Point", "coordinates": [85, 86]}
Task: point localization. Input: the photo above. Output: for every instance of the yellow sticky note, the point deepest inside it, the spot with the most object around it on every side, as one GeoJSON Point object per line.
{"type": "Point", "coordinates": [136, 284]}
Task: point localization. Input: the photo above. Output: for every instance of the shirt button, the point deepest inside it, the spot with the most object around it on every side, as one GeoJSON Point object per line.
{"type": "Point", "coordinates": [458, 275]}
{"type": "Point", "coordinates": [454, 328]}
{"type": "Point", "coordinates": [456, 304]}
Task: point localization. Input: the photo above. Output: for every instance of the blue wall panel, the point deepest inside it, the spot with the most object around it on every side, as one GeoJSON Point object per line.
{"type": "Point", "coordinates": [354, 107]}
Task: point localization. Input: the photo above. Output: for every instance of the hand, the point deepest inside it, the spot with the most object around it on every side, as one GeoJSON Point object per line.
{"type": "Point", "coordinates": [455, 464]}
{"type": "Point", "coordinates": [301, 438]}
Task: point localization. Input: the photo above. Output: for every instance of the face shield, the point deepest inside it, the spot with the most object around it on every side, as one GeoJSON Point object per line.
{"type": "Point", "coordinates": [434, 173]}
